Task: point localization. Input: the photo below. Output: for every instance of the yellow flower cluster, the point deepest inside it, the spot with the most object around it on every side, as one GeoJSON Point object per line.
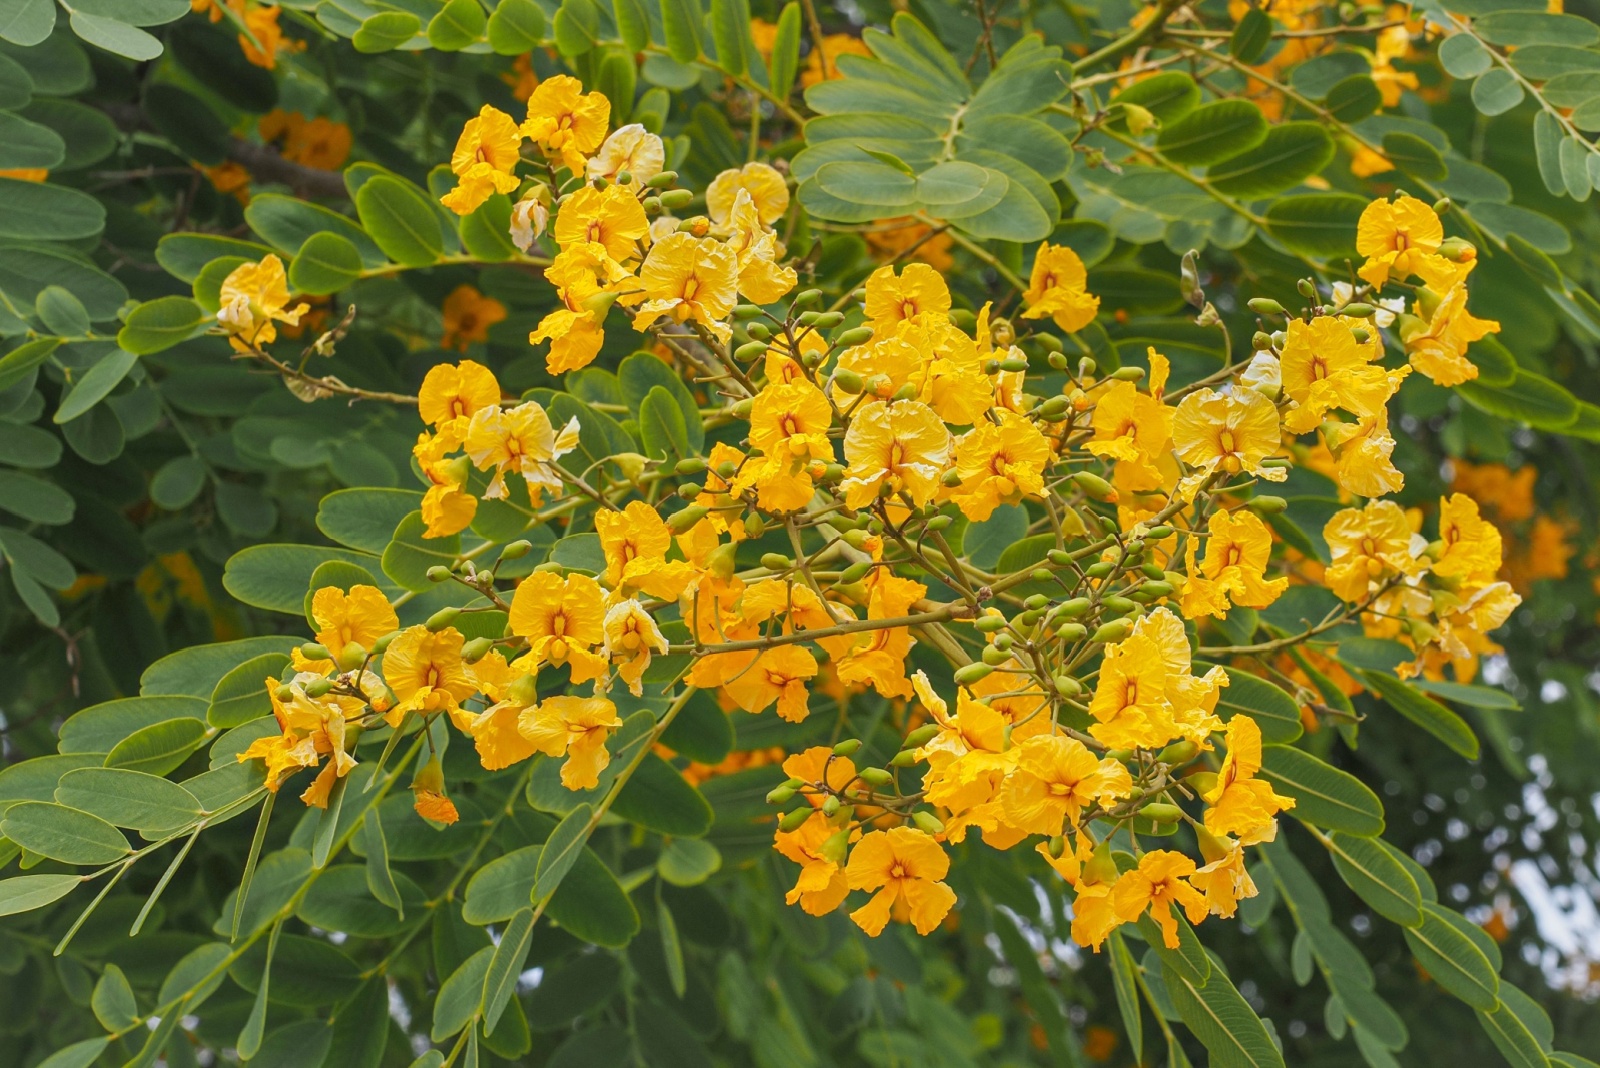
{"type": "Point", "coordinates": [866, 433]}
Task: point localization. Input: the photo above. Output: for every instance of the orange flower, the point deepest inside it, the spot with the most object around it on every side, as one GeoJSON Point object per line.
{"type": "Point", "coordinates": [1058, 287]}
{"type": "Point", "coordinates": [892, 449]}
{"type": "Point", "coordinates": [819, 849]}
{"type": "Point", "coordinates": [574, 727]}
{"type": "Point", "coordinates": [1157, 884]}
{"type": "Point", "coordinates": [779, 674]}
{"type": "Point", "coordinates": [904, 868]}
{"type": "Point", "coordinates": [563, 619]}
{"type": "Point", "coordinates": [635, 542]}
{"type": "Point", "coordinates": [468, 315]}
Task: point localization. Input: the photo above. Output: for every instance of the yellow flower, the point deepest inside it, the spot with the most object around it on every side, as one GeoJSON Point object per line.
{"type": "Point", "coordinates": [1324, 368]}
{"type": "Point", "coordinates": [892, 449]}
{"type": "Point", "coordinates": [484, 161]}
{"type": "Point", "coordinates": [904, 868]}
{"type": "Point", "coordinates": [779, 674]}
{"type": "Point", "coordinates": [262, 22]}
{"type": "Point", "coordinates": [611, 218]}
{"type": "Point", "coordinates": [1439, 349]}
{"type": "Point", "coordinates": [428, 796]}
{"type": "Point", "coordinates": [1092, 873]}
{"type": "Point", "coordinates": [468, 315]}
{"type": "Point", "coordinates": [1362, 456]}
{"type": "Point", "coordinates": [361, 616]}
{"type": "Point", "coordinates": [999, 463]}
{"type": "Point", "coordinates": [1242, 804]}
{"type": "Point", "coordinates": [1227, 432]}
{"type": "Point", "coordinates": [631, 636]}
{"type": "Point", "coordinates": [320, 143]}
{"type": "Point", "coordinates": [635, 541]}
{"type": "Point", "coordinates": [1368, 545]}
{"type": "Point", "coordinates": [1056, 778]}
{"type": "Point", "coordinates": [563, 619]}
{"type": "Point", "coordinates": [452, 394]}
{"type": "Point", "coordinates": [425, 671]}
{"type": "Point", "coordinates": [447, 508]}
{"type": "Point", "coordinates": [1193, 699]}
{"type": "Point", "coordinates": [1224, 880]}
{"type": "Point", "coordinates": [1157, 884]}
{"type": "Point", "coordinates": [817, 847]}
{"type": "Point", "coordinates": [1471, 545]}
{"type": "Point", "coordinates": [789, 425]}
{"type": "Point", "coordinates": [1130, 702]}
{"type": "Point", "coordinates": [1234, 569]}
{"type": "Point", "coordinates": [253, 297]}
{"type": "Point", "coordinates": [687, 278]}
{"type": "Point", "coordinates": [565, 121]}
{"type": "Point", "coordinates": [574, 727]}
{"type": "Point", "coordinates": [1058, 288]}
{"type": "Point", "coordinates": [879, 659]}
{"type": "Point", "coordinates": [767, 189]}
{"type": "Point", "coordinates": [918, 290]}
{"type": "Point", "coordinates": [585, 277]}
{"type": "Point", "coordinates": [1402, 238]}
{"type": "Point", "coordinates": [519, 440]}
{"type": "Point", "coordinates": [1134, 428]}
{"type": "Point", "coordinates": [631, 149]}
{"type": "Point", "coordinates": [761, 278]}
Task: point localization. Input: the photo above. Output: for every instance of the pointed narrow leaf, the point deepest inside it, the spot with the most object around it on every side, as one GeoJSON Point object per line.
{"type": "Point", "coordinates": [1425, 712]}
{"type": "Point", "coordinates": [1376, 877]}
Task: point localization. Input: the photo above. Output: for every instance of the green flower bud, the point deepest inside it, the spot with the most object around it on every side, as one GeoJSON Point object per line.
{"type": "Point", "coordinates": [875, 777]}
{"type": "Point", "coordinates": [680, 521]}
{"type": "Point", "coordinates": [1094, 486]}
{"type": "Point", "coordinates": [443, 618]}
{"type": "Point", "coordinates": [792, 821]}
{"type": "Point", "coordinates": [995, 656]}
{"type": "Point", "coordinates": [856, 335]}
{"type": "Point", "coordinates": [758, 331]}
{"type": "Point", "coordinates": [750, 350]}
{"type": "Point", "coordinates": [927, 822]}
{"type": "Point", "coordinates": [780, 795]}
{"type": "Point", "coordinates": [1265, 306]}
{"type": "Point", "coordinates": [921, 736]}
{"type": "Point", "coordinates": [476, 649]}
{"type": "Point", "coordinates": [990, 624]}
{"type": "Point", "coordinates": [1114, 631]}
{"type": "Point", "coordinates": [438, 573]}
{"type": "Point", "coordinates": [662, 180]}
{"type": "Point", "coordinates": [972, 673]}
{"type": "Point", "coordinates": [313, 651]}
{"type": "Point", "coordinates": [776, 562]}
{"type": "Point", "coordinates": [318, 688]}
{"type": "Point", "coordinates": [352, 656]}
{"type": "Point", "coordinates": [846, 747]}
{"type": "Point", "coordinates": [1267, 504]}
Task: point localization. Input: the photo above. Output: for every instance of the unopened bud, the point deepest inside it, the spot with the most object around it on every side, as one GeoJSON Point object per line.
{"type": "Point", "coordinates": [443, 618]}
{"type": "Point", "coordinates": [776, 562]}
{"type": "Point", "coordinates": [972, 673]}
{"type": "Point", "coordinates": [1161, 812]}
{"type": "Point", "coordinates": [680, 521]}
{"type": "Point", "coordinates": [754, 525]}
{"type": "Point", "coordinates": [438, 573]}
{"type": "Point", "coordinates": [314, 651]}
{"type": "Point", "coordinates": [1114, 631]}
{"type": "Point", "coordinates": [1264, 306]}
{"type": "Point", "coordinates": [927, 822]}
{"type": "Point", "coordinates": [352, 656]}
{"type": "Point", "coordinates": [1358, 310]}
{"type": "Point", "coordinates": [750, 350]}
{"type": "Point", "coordinates": [990, 624]}
{"type": "Point", "coordinates": [780, 795]}
{"type": "Point", "coordinates": [856, 335]}
{"type": "Point", "coordinates": [1267, 504]}
{"type": "Point", "coordinates": [516, 550]}
{"type": "Point", "coordinates": [1100, 569]}
{"type": "Point", "coordinates": [847, 381]}
{"type": "Point", "coordinates": [1128, 374]}
{"type": "Point", "coordinates": [846, 747]}
{"type": "Point", "coordinates": [1067, 686]}
{"type": "Point", "coordinates": [746, 311]}
{"type": "Point", "coordinates": [994, 656]}
{"type": "Point", "coordinates": [792, 821]}
{"type": "Point", "coordinates": [1013, 364]}
{"type": "Point", "coordinates": [921, 736]}
{"type": "Point", "coordinates": [1202, 782]}
{"type": "Point", "coordinates": [318, 688]}
{"type": "Point", "coordinates": [875, 777]}
{"type": "Point", "coordinates": [828, 320]}
{"type": "Point", "coordinates": [807, 296]}
{"type": "Point", "coordinates": [673, 199]}
{"type": "Point", "coordinates": [476, 649]}
{"type": "Point", "coordinates": [1072, 632]}
{"type": "Point", "coordinates": [1095, 486]}
{"type": "Point", "coordinates": [662, 180]}
{"type": "Point", "coordinates": [1180, 752]}
{"type": "Point", "coordinates": [903, 759]}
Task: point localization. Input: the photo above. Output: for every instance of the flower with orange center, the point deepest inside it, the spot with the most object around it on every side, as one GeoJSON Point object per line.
{"type": "Point", "coordinates": [1130, 703]}
{"type": "Point", "coordinates": [1223, 880]}
{"type": "Point", "coordinates": [917, 290]}
{"type": "Point", "coordinates": [1367, 545]}
{"type": "Point", "coordinates": [1056, 778]}
{"type": "Point", "coordinates": [779, 674]}
{"type": "Point", "coordinates": [576, 728]}
{"type": "Point", "coordinates": [1241, 804]}
{"type": "Point", "coordinates": [892, 449]}
{"type": "Point", "coordinates": [519, 440]}
{"type": "Point", "coordinates": [1402, 238]}
{"type": "Point", "coordinates": [425, 671]}
{"type": "Point", "coordinates": [468, 315]}
{"type": "Point", "coordinates": [1471, 546]}
{"type": "Point", "coordinates": [585, 277]}
{"type": "Point", "coordinates": [1438, 348]}
{"type": "Point", "coordinates": [484, 161]}
{"type": "Point", "coordinates": [1134, 428]}
{"type": "Point", "coordinates": [452, 394]}
{"type": "Point", "coordinates": [635, 541]}
{"type": "Point", "coordinates": [819, 848]}
{"type": "Point", "coordinates": [563, 620]}
{"type": "Point", "coordinates": [254, 296]}
{"type": "Point", "coordinates": [1234, 570]}
{"type": "Point", "coordinates": [789, 425]}
{"type": "Point", "coordinates": [447, 506]}
{"type": "Point", "coordinates": [611, 218]}
{"type": "Point", "coordinates": [1324, 368]}
{"type": "Point", "coordinates": [1362, 452]}
{"type": "Point", "coordinates": [999, 463]}
{"type": "Point", "coordinates": [1058, 288]}
{"type": "Point", "coordinates": [765, 186]}
{"type": "Point", "coordinates": [1092, 873]}
{"type": "Point", "coordinates": [879, 658]}
{"type": "Point", "coordinates": [903, 868]}
{"type": "Point", "coordinates": [687, 279]}
{"type": "Point", "coordinates": [565, 121]}
{"type": "Point", "coordinates": [762, 279]}
{"type": "Point", "coordinates": [631, 635]}
{"type": "Point", "coordinates": [362, 616]}
{"type": "Point", "coordinates": [1156, 885]}
{"type": "Point", "coordinates": [1226, 432]}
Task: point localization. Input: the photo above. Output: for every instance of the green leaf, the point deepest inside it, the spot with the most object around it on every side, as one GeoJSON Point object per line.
{"type": "Point", "coordinates": [1453, 960]}
{"type": "Point", "coordinates": [50, 568]}
{"type": "Point", "coordinates": [214, 56]}
{"type": "Point", "coordinates": [1317, 224]}
{"type": "Point", "coordinates": [22, 893]}
{"type": "Point", "coordinates": [1425, 712]}
{"type": "Point", "coordinates": [1127, 991]}
{"type": "Point", "coordinates": [158, 748]}
{"type": "Point", "coordinates": [1189, 959]}
{"type": "Point", "coordinates": [1543, 61]}
{"type": "Point", "coordinates": [1273, 710]}
{"type": "Point", "coordinates": [638, 375]}
{"type": "Point", "coordinates": [115, 37]}
{"type": "Point", "coordinates": [95, 384]}
{"type": "Point", "coordinates": [34, 499]}
{"type": "Point", "coordinates": [132, 799]}
{"type": "Point", "coordinates": [275, 577]}
{"type": "Point", "coordinates": [41, 211]}
{"type": "Point", "coordinates": [680, 21]}
{"type": "Point", "coordinates": [671, 949]}
{"type": "Point", "coordinates": [500, 980]}
{"type": "Point", "coordinates": [327, 262]}
{"type": "Point", "coordinates": [1468, 694]}
{"type": "Point", "coordinates": [1496, 91]}
{"type": "Point", "coordinates": [1547, 150]}
{"type": "Point", "coordinates": [188, 122]}
{"type": "Point", "coordinates": [287, 224]}
{"type": "Point", "coordinates": [386, 31]}
{"type": "Point", "coordinates": [27, 144]}
{"type": "Point", "coordinates": [486, 233]}
{"type": "Point", "coordinates": [365, 518]}
{"type": "Point", "coordinates": [241, 695]}
{"type": "Point", "coordinates": [410, 554]}
{"type": "Point", "coordinates": [1521, 28]}
{"type": "Point", "coordinates": [63, 833]}
{"type": "Point", "coordinates": [195, 671]}
{"type": "Point", "coordinates": [341, 900]}
{"type": "Point", "coordinates": [561, 851]}
{"type": "Point", "coordinates": [458, 24]}
{"type": "Point", "coordinates": [661, 426]}
{"type": "Point", "coordinates": [27, 23]}
{"type": "Point", "coordinates": [379, 878]}
{"type": "Point", "coordinates": [98, 728]}
{"type": "Point", "coordinates": [1376, 877]}
{"type": "Point", "coordinates": [577, 27]}
{"type": "Point", "coordinates": [688, 861]}
{"type": "Point", "coordinates": [79, 1054]}
{"type": "Point", "coordinates": [400, 219]}
{"type": "Point", "coordinates": [1464, 56]}
{"type": "Point", "coordinates": [1414, 156]}
{"type": "Point", "coordinates": [1356, 97]}
{"type": "Point", "coordinates": [1528, 398]}
{"type": "Point", "coordinates": [1168, 96]}
{"type": "Point", "coordinates": [702, 731]}
{"type": "Point", "coordinates": [1325, 796]}
{"type": "Point", "coordinates": [515, 27]}
{"type": "Point", "coordinates": [784, 64]}
{"type": "Point", "coordinates": [160, 324]}
{"type": "Point", "coordinates": [1222, 1020]}
{"type": "Point", "coordinates": [178, 482]}
{"type": "Point", "coordinates": [658, 797]}
{"type": "Point", "coordinates": [730, 31]}
{"type": "Point", "coordinates": [458, 999]}
{"type": "Point", "coordinates": [1213, 132]}
{"type": "Point", "coordinates": [113, 1003]}
{"type": "Point", "coordinates": [1251, 36]}
{"type": "Point", "coordinates": [633, 24]}
{"type": "Point", "coordinates": [1512, 1037]}
{"type": "Point", "coordinates": [22, 361]}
